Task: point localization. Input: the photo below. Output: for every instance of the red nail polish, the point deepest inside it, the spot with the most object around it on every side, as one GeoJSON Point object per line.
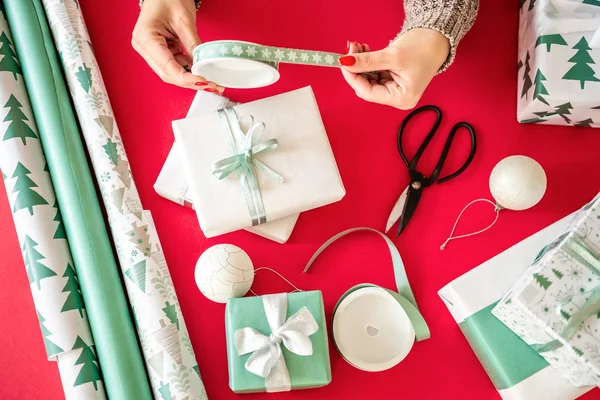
{"type": "Point", "coordinates": [347, 46]}
{"type": "Point", "coordinates": [347, 60]}
{"type": "Point", "coordinates": [200, 83]}
{"type": "Point", "coordinates": [210, 90]}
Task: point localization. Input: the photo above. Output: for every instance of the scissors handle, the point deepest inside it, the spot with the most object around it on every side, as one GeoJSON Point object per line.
{"type": "Point", "coordinates": [413, 163]}
{"type": "Point", "coordinates": [440, 164]}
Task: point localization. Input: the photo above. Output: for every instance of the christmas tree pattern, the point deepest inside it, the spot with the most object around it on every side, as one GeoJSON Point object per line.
{"type": "Point", "coordinates": [168, 338]}
{"type": "Point", "coordinates": [539, 88]}
{"type": "Point", "coordinates": [171, 313]}
{"type": "Point", "coordinates": [51, 348]}
{"type": "Point", "coordinates": [527, 84]}
{"type": "Point", "coordinates": [549, 40]}
{"type": "Point", "coordinates": [591, 2]}
{"type": "Point", "coordinates": [84, 76]}
{"type": "Point", "coordinates": [557, 273]}
{"type": "Point", "coordinates": [4, 176]}
{"type": "Point", "coordinates": [26, 197]}
{"type": "Point", "coordinates": [586, 123]}
{"type": "Point", "coordinates": [117, 197]}
{"type": "Point", "coordinates": [123, 172]}
{"type": "Point", "coordinates": [197, 371]}
{"type": "Point", "coordinates": [110, 149]}
{"type": "Point", "coordinates": [9, 60]}
{"type": "Point", "coordinates": [35, 270]}
{"type": "Point", "coordinates": [18, 128]}
{"type": "Point", "coordinates": [106, 122]}
{"type": "Point", "coordinates": [137, 274]}
{"type": "Point", "coordinates": [577, 351]}
{"type": "Point", "coordinates": [165, 391]}
{"type": "Point", "coordinates": [156, 362]}
{"type": "Point", "coordinates": [542, 281]}
{"type": "Point", "coordinates": [60, 229]}
{"type": "Point", "coordinates": [74, 300]}
{"type": "Point", "coordinates": [90, 372]}
{"type": "Point", "coordinates": [565, 315]}
{"type": "Point", "coordinates": [581, 71]}
{"type": "Point", "coordinates": [563, 110]}
{"type": "Point", "coordinates": [519, 65]}
{"type": "Point", "coordinates": [140, 237]}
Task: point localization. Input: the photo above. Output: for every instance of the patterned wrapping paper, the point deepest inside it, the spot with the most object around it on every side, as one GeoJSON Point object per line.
{"type": "Point", "coordinates": [559, 62]}
{"type": "Point", "coordinates": [171, 364]}
{"type": "Point", "coordinates": [549, 296]}
{"type": "Point", "coordinates": [53, 282]}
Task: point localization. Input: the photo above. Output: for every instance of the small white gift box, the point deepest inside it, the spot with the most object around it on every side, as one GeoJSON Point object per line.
{"type": "Point", "coordinates": [232, 165]}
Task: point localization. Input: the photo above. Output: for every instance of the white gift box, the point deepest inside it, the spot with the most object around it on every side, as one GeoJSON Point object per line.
{"type": "Point", "coordinates": [172, 181]}
{"type": "Point", "coordinates": [304, 158]}
{"type": "Point", "coordinates": [516, 370]}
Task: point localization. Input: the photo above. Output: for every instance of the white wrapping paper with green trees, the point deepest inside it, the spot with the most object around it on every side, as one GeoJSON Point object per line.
{"type": "Point", "coordinates": [167, 350]}
{"type": "Point", "coordinates": [559, 62]}
{"type": "Point", "coordinates": [53, 282]}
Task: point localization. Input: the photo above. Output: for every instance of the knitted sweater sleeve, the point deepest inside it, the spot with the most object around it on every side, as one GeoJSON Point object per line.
{"type": "Point", "coordinates": [452, 18]}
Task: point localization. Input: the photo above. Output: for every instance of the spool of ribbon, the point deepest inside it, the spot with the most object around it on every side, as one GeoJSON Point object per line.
{"type": "Point", "coordinates": [373, 327]}
{"type": "Point", "coordinates": [244, 148]}
{"type": "Point", "coordinates": [267, 359]}
{"type": "Point", "coordinates": [244, 65]}
{"type": "Point", "coordinates": [578, 250]}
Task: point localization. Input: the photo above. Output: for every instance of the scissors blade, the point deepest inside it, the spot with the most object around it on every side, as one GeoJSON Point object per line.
{"type": "Point", "coordinates": [411, 205]}
{"type": "Point", "coordinates": [397, 210]}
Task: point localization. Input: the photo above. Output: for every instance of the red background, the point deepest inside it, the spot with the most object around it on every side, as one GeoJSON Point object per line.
{"type": "Point", "coordinates": [480, 88]}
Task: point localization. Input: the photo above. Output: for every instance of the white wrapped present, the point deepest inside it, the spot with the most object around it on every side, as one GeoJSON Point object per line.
{"type": "Point", "coordinates": [559, 62]}
{"type": "Point", "coordinates": [516, 370]}
{"type": "Point", "coordinates": [172, 181]}
{"type": "Point", "coordinates": [258, 162]}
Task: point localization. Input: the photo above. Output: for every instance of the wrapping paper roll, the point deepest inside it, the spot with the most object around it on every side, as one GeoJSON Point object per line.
{"type": "Point", "coordinates": [167, 349]}
{"type": "Point", "coordinates": [53, 282]}
{"type": "Point", "coordinates": [106, 306]}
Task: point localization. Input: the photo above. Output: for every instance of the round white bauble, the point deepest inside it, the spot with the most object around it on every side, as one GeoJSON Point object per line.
{"type": "Point", "coordinates": [518, 183]}
{"type": "Point", "coordinates": [224, 271]}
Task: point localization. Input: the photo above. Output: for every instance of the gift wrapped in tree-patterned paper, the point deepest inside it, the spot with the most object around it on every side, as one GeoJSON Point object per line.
{"type": "Point", "coordinates": [559, 62]}
{"type": "Point", "coordinates": [555, 306]}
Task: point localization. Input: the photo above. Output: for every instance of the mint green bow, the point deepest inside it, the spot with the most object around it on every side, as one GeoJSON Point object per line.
{"type": "Point", "coordinates": [577, 249]}
{"type": "Point", "coordinates": [245, 147]}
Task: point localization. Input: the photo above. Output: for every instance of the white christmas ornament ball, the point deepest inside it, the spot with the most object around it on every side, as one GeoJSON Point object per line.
{"type": "Point", "coordinates": [224, 271]}
{"type": "Point", "coordinates": [518, 183]}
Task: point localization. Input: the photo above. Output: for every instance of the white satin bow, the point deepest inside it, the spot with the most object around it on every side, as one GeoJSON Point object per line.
{"type": "Point", "coordinates": [267, 359]}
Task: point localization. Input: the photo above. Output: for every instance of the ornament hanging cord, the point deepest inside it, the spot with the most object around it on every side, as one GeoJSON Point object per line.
{"type": "Point", "coordinates": [497, 208]}
{"type": "Point", "coordinates": [296, 289]}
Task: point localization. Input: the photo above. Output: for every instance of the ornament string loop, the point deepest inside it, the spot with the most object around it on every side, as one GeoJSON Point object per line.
{"type": "Point", "coordinates": [497, 208]}
{"type": "Point", "coordinates": [296, 289]}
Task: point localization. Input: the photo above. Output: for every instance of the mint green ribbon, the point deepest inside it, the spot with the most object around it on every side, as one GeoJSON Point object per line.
{"type": "Point", "coordinates": [403, 295]}
{"type": "Point", "coordinates": [245, 147]}
{"type": "Point", "coordinates": [577, 249]}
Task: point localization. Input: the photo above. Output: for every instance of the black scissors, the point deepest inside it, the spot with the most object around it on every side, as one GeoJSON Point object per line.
{"type": "Point", "coordinates": [409, 199]}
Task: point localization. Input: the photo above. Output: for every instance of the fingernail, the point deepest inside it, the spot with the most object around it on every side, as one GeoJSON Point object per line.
{"type": "Point", "coordinates": [347, 46]}
{"type": "Point", "coordinates": [210, 90]}
{"type": "Point", "coordinates": [200, 83]}
{"type": "Point", "coordinates": [365, 45]}
{"type": "Point", "coordinates": [347, 60]}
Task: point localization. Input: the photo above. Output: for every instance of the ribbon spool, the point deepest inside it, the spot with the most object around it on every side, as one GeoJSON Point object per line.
{"type": "Point", "coordinates": [375, 328]}
{"type": "Point", "coordinates": [516, 183]}
{"type": "Point", "coordinates": [245, 65]}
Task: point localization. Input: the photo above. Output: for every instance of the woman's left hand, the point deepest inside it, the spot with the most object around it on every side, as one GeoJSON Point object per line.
{"type": "Point", "coordinates": [406, 67]}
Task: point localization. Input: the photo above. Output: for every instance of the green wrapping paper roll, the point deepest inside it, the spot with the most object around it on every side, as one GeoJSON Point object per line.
{"type": "Point", "coordinates": [172, 368]}
{"type": "Point", "coordinates": [111, 325]}
{"type": "Point", "coordinates": [53, 282]}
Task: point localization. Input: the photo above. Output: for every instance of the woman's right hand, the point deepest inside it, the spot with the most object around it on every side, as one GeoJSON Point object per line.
{"type": "Point", "coordinates": [165, 35]}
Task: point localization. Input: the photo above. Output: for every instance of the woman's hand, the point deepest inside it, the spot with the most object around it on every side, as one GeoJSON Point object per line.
{"type": "Point", "coordinates": [165, 35]}
{"type": "Point", "coordinates": [405, 68]}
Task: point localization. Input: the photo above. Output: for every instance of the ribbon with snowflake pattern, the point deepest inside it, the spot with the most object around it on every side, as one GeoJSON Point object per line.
{"type": "Point", "coordinates": [266, 54]}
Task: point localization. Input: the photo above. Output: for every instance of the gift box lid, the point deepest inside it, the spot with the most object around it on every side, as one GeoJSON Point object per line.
{"type": "Point", "coordinates": [305, 371]}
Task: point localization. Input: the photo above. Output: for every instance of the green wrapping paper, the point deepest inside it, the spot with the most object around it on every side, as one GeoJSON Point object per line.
{"type": "Point", "coordinates": [167, 350]}
{"type": "Point", "coordinates": [106, 306]}
{"type": "Point", "coordinates": [48, 263]}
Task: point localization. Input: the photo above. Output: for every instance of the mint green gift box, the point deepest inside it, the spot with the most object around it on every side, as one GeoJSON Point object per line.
{"type": "Point", "coordinates": [305, 371]}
